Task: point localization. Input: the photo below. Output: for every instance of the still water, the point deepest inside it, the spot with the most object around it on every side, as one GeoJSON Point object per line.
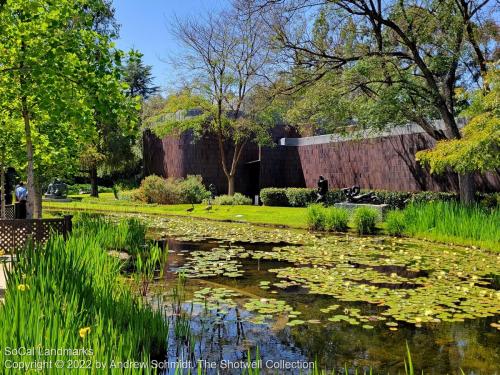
{"type": "Point", "coordinates": [222, 335]}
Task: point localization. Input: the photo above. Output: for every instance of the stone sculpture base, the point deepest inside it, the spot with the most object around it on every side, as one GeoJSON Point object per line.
{"type": "Point", "coordinates": [381, 208]}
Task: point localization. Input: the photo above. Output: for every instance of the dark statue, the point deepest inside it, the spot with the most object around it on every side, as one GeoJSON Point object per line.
{"type": "Point", "coordinates": [56, 190]}
{"type": "Point", "coordinates": [322, 190]}
{"type": "Point", "coordinates": [353, 195]}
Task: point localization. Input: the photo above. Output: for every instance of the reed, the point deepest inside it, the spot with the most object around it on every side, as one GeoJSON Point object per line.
{"type": "Point", "coordinates": [67, 295]}
{"type": "Point", "coordinates": [454, 222]}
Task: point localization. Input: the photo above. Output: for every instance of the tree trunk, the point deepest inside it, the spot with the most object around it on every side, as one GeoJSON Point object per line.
{"type": "Point", "coordinates": [467, 188]}
{"type": "Point", "coordinates": [94, 187]}
{"type": "Point", "coordinates": [230, 185]}
{"type": "Point", "coordinates": [34, 200]}
{"type": "Point", "coordinates": [2, 191]}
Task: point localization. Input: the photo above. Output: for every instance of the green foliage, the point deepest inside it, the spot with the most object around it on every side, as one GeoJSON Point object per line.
{"type": "Point", "coordinates": [316, 217]}
{"type": "Point", "coordinates": [191, 189]}
{"type": "Point", "coordinates": [274, 197]}
{"type": "Point", "coordinates": [85, 188]}
{"type": "Point", "coordinates": [155, 189]}
{"type": "Point", "coordinates": [71, 289]}
{"type": "Point", "coordinates": [365, 220]}
{"type": "Point", "coordinates": [452, 221]}
{"type": "Point", "coordinates": [300, 197]}
{"type": "Point", "coordinates": [336, 219]}
{"type": "Point", "coordinates": [235, 200]}
{"type": "Point", "coordinates": [478, 149]}
{"type": "Point", "coordinates": [395, 223]}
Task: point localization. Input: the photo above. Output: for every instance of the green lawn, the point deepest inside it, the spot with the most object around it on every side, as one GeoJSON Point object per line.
{"type": "Point", "coordinates": [292, 217]}
{"type": "Point", "coordinates": [456, 229]}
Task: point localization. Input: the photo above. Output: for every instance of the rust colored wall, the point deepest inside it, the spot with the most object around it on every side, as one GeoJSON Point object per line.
{"type": "Point", "coordinates": [181, 156]}
{"type": "Point", "coordinates": [385, 163]}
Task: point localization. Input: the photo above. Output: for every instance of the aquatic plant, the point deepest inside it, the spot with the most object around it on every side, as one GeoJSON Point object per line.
{"type": "Point", "coordinates": [316, 217]}
{"type": "Point", "coordinates": [454, 222]}
{"type": "Point", "coordinates": [395, 223]}
{"type": "Point", "coordinates": [336, 219]}
{"type": "Point", "coordinates": [72, 298]}
{"type": "Point", "coordinates": [365, 219]}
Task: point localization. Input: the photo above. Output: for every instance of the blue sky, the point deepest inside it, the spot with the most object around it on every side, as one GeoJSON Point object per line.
{"type": "Point", "coordinates": [145, 27]}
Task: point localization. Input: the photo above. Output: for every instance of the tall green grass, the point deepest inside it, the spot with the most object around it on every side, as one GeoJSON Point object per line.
{"type": "Point", "coordinates": [454, 222]}
{"type": "Point", "coordinates": [67, 295]}
{"type": "Point", "coordinates": [365, 220]}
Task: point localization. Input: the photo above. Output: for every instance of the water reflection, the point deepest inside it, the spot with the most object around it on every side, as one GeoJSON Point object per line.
{"type": "Point", "coordinates": [225, 334]}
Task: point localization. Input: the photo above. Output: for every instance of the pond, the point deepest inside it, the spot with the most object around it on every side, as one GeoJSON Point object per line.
{"type": "Point", "coordinates": [335, 299]}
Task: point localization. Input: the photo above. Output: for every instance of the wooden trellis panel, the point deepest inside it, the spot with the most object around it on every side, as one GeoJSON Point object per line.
{"type": "Point", "coordinates": [15, 233]}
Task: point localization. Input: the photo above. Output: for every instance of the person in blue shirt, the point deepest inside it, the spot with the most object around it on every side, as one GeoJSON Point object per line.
{"type": "Point", "coordinates": [21, 197]}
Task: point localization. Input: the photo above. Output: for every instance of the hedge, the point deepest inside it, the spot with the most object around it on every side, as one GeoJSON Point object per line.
{"type": "Point", "coordinates": [302, 197]}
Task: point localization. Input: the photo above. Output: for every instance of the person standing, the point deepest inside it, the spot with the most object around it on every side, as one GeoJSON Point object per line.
{"type": "Point", "coordinates": [21, 198]}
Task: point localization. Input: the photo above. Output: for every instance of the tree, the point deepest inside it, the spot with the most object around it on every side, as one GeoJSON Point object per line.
{"type": "Point", "coordinates": [226, 54]}
{"type": "Point", "coordinates": [406, 57]}
{"type": "Point", "coordinates": [138, 76]}
{"type": "Point", "coordinates": [45, 64]}
{"type": "Point", "coordinates": [479, 147]}
{"type": "Point", "coordinates": [10, 155]}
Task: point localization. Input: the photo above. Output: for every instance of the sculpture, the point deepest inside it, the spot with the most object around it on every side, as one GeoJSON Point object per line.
{"type": "Point", "coordinates": [322, 190]}
{"type": "Point", "coordinates": [353, 195]}
{"type": "Point", "coordinates": [56, 189]}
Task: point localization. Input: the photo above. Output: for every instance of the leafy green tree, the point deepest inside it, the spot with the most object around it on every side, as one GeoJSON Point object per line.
{"type": "Point", "coordinates": [47, 67]}
{"type": "Point", "coordinates": [479, 147]}
{"type": "Point", "coordinates": [373, 63]}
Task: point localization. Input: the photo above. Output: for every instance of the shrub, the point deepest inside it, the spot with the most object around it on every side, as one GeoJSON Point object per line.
{"type": "Point", "coordinates": [335, 196]}
{"type": "Point", "coordinates": [155, 189]}
{"type": "Point", "coordinates": [274, 197]}
{"type": "Point", "coordinates": [336, 219]}
{"type": "Point", "coordinates": [433, 196]}
{"type": "Point", "coordinates": [85, 188]}
{"type": "Point", "coordinates": [489, 200]}
{"type": "Point", "coordinates": [396, 223]}
{"type": "Point", "coordinates": [235, 200]}
{"type": "Point", "coordinates": [191, 189]}
{"type": "Point", "coordinates": [300, 197]}
{"type": "Point", "coordinates": [316, 217]}
{"type": "Point", "coordinates": [365, 219]}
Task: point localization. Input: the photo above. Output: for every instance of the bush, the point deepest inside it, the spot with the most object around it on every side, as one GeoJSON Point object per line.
{"type": "Point", "coordinates": [235, 200]}
{"type": "Point", "coordinates": [274, 197]}
{"type": "Point", "coordinates": [155, 189]}
{"type": "Point", "coordinates": [85, 188]}
{"type": "Point", "coordinates": [433, 196]}
{"type": "Point", "coordinates": [316, 217]}
{"type": "Point", "coordinates": [365, 219]}
{"type": "Point", "coordinates": [336, 219]}
{"type": "Point", "coordinates": [191, 189]}
{"type": "Point", "coordinates": [396, 223]}
{"type": "Point", "coordinates": [300, 197]}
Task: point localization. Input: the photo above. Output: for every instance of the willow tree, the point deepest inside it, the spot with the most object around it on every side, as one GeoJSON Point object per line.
{"type": "Point", "coordinates": [398, 61]}
{"type": "Point", "coordinates": [46, 47]}
{"type": "Point", "coordinates": [225, 58]}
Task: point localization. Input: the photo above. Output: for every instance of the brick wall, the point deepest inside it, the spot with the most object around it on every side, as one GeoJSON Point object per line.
{"type": "Point", "coordinates": [384, 163]}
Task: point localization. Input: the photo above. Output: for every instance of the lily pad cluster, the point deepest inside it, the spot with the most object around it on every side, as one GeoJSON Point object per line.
{"type": "Point", "coordinates": [407, 280]}
{"type": "Point", "coordinates": [220, 261]}
{"type": "Point", "coordinates": [268, 308]}
{"type": "Point", "coordinates": [215, 298]}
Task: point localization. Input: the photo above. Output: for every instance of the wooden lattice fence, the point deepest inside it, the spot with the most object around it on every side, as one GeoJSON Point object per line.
{"type": "Point", "coordinates": [15, 233]}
